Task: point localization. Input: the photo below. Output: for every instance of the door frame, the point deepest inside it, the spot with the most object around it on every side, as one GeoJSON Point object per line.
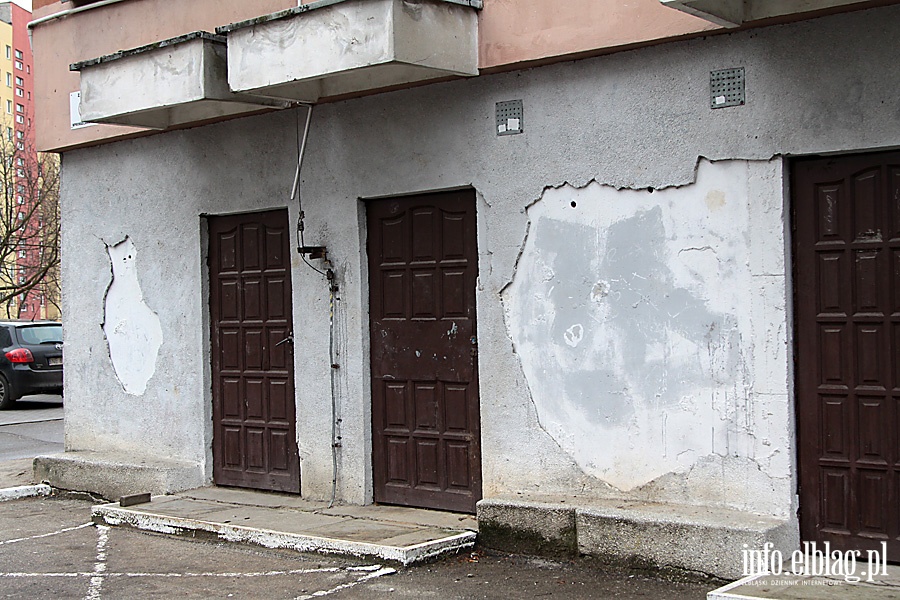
{"type": "Point", "coordinates": [207, 326]}
{"type": "Point", "coordinates": [793, 322]}
{"type": "Point", "coordinates": [365, 303]}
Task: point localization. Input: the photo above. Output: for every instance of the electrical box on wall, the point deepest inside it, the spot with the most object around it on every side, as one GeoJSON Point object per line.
{"type": "Point", "coordinates": [510, 117]}
{"type": "Point", "coordinates": [726, 88]}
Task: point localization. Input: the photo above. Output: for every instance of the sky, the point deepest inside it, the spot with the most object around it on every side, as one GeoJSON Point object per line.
{"type": "Point", "coordinates": [25, 3]}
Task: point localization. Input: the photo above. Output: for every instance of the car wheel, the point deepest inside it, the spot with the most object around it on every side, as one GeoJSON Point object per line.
{"type": "Point", "coordinates": [7, 399]}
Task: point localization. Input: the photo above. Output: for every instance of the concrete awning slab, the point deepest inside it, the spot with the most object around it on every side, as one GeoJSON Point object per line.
{"type": "Point", "coordinates": [173, 82]}
{"type": "Point", "coordinates": [733, 13]}
{"type": "Point", "coordinates": [336, 47]}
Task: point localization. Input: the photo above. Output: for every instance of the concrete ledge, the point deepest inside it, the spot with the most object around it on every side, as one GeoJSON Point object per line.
{"type": "Point", "coordinates": [542, 528]}
{"type": "Point", "coordinates": [113, 515]}
{"type": "Point", "coordinates": [112, 475]}
{"type": "Point", "coordinates": [707, 541]}
{"type": "Point", "coordinates": [24, 491]}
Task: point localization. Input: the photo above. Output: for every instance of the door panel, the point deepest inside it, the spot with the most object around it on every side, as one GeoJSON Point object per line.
{"type": "Point", "coordinates": [846, 250]}
{"type": "Point", "coordinates": [254, 428]}
{"type": "Point", "coordinates": [423, 265]}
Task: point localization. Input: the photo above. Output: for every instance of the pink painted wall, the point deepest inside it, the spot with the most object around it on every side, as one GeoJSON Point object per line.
{"type": "Point", "coordinates": [511, 32]}
{"type": "Point", "coordinates": [514, 31]}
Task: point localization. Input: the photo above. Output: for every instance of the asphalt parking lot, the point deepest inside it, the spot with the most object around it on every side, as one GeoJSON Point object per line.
{"type": "Point", "coordinates": [50, 549]}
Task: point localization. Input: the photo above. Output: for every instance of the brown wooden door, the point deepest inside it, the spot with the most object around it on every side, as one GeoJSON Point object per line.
{"type": "Point", "coordinates": [847, 273]}
{"type": "Point", "coordinates": [254, 425]}
{"type": "Point", "coordinates": [423, 265]}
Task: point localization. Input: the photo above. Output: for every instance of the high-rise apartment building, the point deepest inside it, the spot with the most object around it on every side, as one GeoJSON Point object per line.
{"type": "Point", "coordinates": [24, 174]}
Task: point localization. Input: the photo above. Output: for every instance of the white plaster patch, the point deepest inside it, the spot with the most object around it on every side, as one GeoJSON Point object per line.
{"type": "Point", "coordinates": [132, 329]}
{"type": "Point", "coordinates": [574, 335]}
{"type": "Point", "coordinates": [629, 316]}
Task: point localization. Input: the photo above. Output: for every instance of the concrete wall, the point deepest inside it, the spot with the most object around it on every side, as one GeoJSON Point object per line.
{"type": "Point", "coordinates": [637, 344]}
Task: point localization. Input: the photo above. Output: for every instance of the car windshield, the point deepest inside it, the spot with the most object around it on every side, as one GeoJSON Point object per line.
{"type": "Point", "coordinates": [41, 334]}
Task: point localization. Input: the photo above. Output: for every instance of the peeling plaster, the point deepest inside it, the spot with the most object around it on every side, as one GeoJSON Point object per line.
{"type": "Point", "coordinates": [628, 310]}
{"type": "Point", "coordinates": [132, 329]}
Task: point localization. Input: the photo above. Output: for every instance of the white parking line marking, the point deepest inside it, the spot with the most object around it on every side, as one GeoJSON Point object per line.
{"type": "Point", "coordinates": [96, 585]}
{"type": "Point", "coordinates": [100, 572]}
{"type": "Point", "coordinates": [109, 575]}
{"type": "Point", "coordinates": [344, 586]}
{"type": "Point", "coordinates": [44, 535]}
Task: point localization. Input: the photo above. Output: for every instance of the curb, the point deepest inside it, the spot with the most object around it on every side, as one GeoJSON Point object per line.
{"type": "Point", "coordinates": [24, 491]}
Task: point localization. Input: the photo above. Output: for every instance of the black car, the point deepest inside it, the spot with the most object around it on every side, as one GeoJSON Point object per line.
{"type": "Point", "coordinates": [31, 360]}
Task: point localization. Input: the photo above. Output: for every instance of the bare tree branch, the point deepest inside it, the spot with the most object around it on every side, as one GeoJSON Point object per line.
{"type": "Point", "coordinates": [29, 224]}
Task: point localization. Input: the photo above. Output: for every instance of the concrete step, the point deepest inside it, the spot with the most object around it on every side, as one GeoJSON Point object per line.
{"type": "Point", "coordinates": [400, 535]}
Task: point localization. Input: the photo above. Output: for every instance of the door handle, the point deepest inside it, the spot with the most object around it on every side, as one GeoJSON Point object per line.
{"type": "Point", "coordinates": [288, 339]}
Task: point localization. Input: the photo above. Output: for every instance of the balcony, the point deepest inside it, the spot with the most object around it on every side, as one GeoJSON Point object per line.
{"type": "Point", "coordinates": [337, 47]}
{"type": "Point", "coordinates": [734, 13]}
{"type": "Point", "coordinates": [162, 85]}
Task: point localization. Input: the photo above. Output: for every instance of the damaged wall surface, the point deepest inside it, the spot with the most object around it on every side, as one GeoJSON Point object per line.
{"type": "Point", "coordinates": [630, 312]}
{"type": "Point", "coordinates": [131, 327]}
{"type": "Point", "coordinates": [636, 343]}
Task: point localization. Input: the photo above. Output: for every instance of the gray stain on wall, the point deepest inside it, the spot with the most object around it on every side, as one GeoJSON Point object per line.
{"type": "Point", "coordinates": [632, 296]}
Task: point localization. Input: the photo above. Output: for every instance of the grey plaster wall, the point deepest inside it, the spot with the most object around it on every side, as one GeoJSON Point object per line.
{"type": "Point", "coordinates": [634, 120]}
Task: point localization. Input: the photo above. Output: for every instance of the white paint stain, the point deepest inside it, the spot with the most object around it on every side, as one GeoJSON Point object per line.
{"type": "Point", "coordinates": [453, 330]}
{"type": "Point", "coordinates": [574, 335]}
{"type": "Point", "coordinates": [132, 329]}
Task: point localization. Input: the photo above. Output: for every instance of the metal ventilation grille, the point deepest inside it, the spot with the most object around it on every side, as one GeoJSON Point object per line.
{"type": "Point", "coordinates": [509, 117]}
{"type": "Point", "coordinates": [726, 88]}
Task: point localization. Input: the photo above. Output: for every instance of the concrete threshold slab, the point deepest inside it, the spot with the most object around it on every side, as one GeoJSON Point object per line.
{"type": "Point", "coordinates": [809, 587]}
{"type": "Point", "coordinates": [274, 521]}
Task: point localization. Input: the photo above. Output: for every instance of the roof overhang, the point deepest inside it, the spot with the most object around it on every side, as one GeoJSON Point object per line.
{"type": "Point", "coordinates": [169, 83]}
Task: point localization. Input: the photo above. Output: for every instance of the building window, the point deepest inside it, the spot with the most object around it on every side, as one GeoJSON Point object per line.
{"type": "Point", "coordinates": [20, 134]}
{"type": "Point", "coordinates": [19, 107]}
{"type": "Point", "coordinates": [21, 216]}
{"type": "Point", "coordinates": [9, 106]}
{"type": "Point", "coordinates": [20, 172]}
{"type": "Point", "coordinates": [8, 51]}
{"type": "Point", "coordinates": [19, 92]}
{"type": "Point", "coordinates": [20, 161]}
{"type": "Point", "coordinates": [20, 188]}
{"type": "Point", "coordinates": [28, 68]}
{"type": "Point", "coordinates": [19, 54]}
{"type": "Point", "coordinates": [20, 81]}
{"type": "Point", "coordinates": [20, 146]}
{"type": "Point", "coordinates": [20, 199]}
{"type": "Point", "coordinates": [9, 133]}
{"type": "Point", "coordinates": [9, 79]}
{"type": "Point", "coordinates": [19, 65]}
{"type": "Point", "coordinates": [20, 119]}
{"type": "Point", "coordinates": [23, 253]}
